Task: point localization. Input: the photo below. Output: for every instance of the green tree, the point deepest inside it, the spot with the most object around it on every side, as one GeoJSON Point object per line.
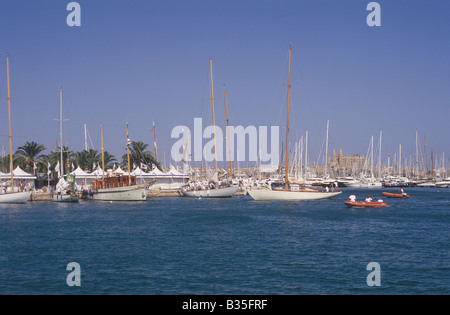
{"type": "Point", "coordinates": [4, 163]}
{"type": "Point", "coordinates": [55, 156]}
{"type": "Point", "coordinates": [86, 159]}
{"type": "Point", "coordinates": [29, 154]}
{"type": "Point", "coordinates": [139, 155]}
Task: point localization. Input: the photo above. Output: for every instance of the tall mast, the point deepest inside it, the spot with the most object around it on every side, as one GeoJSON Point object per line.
{"type": "Point", "coordinates": [417, 157]}
{"type": "Point", "coordinates": [128, 156]}
{"type": "Point", "coordinates": [214, 122]}
{"type": "Point", "coordinates": [103, 158]}
{"type": "Point", "coordinates": [61, 132]}
{"type": "Point", "coordinates": [306, 154]}
{"type": "Point", "coordinates": [9, 120]}
{"type": "Point", "coordinates": [371, 156]}
{"type": "Point", "coordinates": [189, 155]}
{"type": "Point", "coordinates": [379, 156]}
{"type": "Point", "coordinates": [425, 155]}
{"type": "Point", "coordinates": [287, 122]}
{"type": "Point", "coordinates": [85, 138]}
{"type": "Point", "coordinates": [154, 142]}
{"type": "Point", "coordinates": [326, 151]}
{"type": "Point", "coordinates": [228, 133]}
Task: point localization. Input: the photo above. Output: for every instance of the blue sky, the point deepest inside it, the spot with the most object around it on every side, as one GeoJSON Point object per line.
{"type": "Point", "coordinates": [139, 61]}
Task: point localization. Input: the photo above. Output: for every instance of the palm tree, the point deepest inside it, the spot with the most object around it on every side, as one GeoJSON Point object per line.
{"type": "Point", "coordinates": [139, 155]}
{"type": "Point", "coordinates": [86, 159]}
{"type": "Point", "coordinates": [29, 155]}
{"type": "Point", "coordinates": [4, 163]}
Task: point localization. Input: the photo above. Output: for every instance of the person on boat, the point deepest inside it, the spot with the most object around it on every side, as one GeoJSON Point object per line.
{"type": "Point", "coordinates": [402, 191]}
{"type": "Point", "coordinates": [352, 198]}
{"type": "Point", "coordinates": [368, 199]}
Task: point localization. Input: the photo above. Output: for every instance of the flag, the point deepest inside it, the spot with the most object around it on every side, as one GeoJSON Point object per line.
{"type": "Point", "coordinates": [73, 167]}
{"type": "Point", "coordinates": [58, 170]}
{"type": "Point", "coordinates": [153, 166]}
{"type": "Point", "coordinates": [34, 166]}
{"type": "Point", "coordinates": [48, 167]}
{"type": "Point", "coordinates": [143, 166]}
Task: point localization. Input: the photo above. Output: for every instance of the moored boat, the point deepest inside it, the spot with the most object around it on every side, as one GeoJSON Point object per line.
{"type": "Point", "coordinates": [122, 187]}
{"type": "Point", "coordinates": [64, 197]}
{"type": "Point", "coordinates": [293, 193]}
{"type": "Point", "coordinates": [290, 195]}
{"type": "Point", "coordinates": [224, 192]}
{"type": "Point", "coordinates": [13, 196]}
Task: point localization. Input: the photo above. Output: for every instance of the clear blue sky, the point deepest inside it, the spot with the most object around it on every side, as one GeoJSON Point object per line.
{"type": "Point", "coordinates": [138, 61]}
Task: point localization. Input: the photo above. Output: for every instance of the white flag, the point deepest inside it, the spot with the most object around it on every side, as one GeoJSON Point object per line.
{"type": "Point", "coordinates": [143, 166]}
{"type": "Point", "coordinates": [58, 170]}
{"type": "Point", "coordinates": [48, 169]}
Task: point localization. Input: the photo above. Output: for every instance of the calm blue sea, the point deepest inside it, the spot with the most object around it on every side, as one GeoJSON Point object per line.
{"type": "Point", "coordinates": [232, 246]}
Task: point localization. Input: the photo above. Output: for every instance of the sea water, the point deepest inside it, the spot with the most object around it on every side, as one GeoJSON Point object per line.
{"type": "Point", "coordinates": [177, 246]}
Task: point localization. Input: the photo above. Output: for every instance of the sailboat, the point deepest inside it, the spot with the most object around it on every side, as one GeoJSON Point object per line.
{"type": "Point", "coordinates": [294, 192]}
{"type": "Point", "coordinates": [12, 196]}
{"type": "Point", "coordinates": [122, 187]}
{"type": "Point", "coordinates": [64, 189]}
{"type": "Point", "coordinates": [207, 192]}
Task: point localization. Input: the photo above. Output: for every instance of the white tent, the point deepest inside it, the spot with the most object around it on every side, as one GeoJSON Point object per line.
{"type": "Point", "coordinates": [20, 178]}
{"type": "Point", "coordinates": [171, 180]}
{"type": "Point", "coordinates": [79, 173]}
{"type": "Point", "coordinates": [83, 179]}
{"type": "Point", "coordinates": [175, 172]}
{"type": "Point", "coordinates": [120, 171]}
{"type": "Point", "coordinates": [98, 173]}
{"type": "Point", "coordinates": [21, 174]}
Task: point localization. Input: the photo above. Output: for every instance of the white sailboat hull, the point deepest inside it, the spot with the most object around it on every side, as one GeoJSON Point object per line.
{"type": "Point", "coordinates": [271, 195]}
{"type": "Point", "coordinates": [226, 192]}
{"type": "Point", "coordinates": [15, 197]}
{"type": "Point", "coordinates": [372, 185]}
{"type": "Point", "coordinates": [127, 193]}
{"type": "Point", "coordinates": [65, 198]}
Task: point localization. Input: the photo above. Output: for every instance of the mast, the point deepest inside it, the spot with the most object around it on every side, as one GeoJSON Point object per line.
{"type": "Point", "coordinates": [103, 158]}
{"type": "Point", "coordinates": [379, 156]}
{"type": "Point", "coordinates": [189, 155]}
{"type": "Point", "coordinates": [228, 133]}
{"type": "Point", "coordinates": [326, 151]}
{"type": "Point", "coordinates": [154, 142]}
{"type": "Point", "coordinates": [85, 138]}
{"type": "Point", "coordinates": [425, 155]}
{"type": "Point", "coordinates": [128, 156]}
{"type": "Point", "coordinates": [61, 132]}
{"type": "Point", "coordinates": [9, 120]}
{"type": "Point", "coordinates": [287, 122]}
{"type": "Point", "coordinates": [214, 122]}
{"type": "Point", "coordinates": [400, 159]}
{"type": "Point", "coordinates": [417, 157]}
{"type": "Point", "coordinates": [371, 157]}
{"type": "Point", "coordinates": [306, 154]}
